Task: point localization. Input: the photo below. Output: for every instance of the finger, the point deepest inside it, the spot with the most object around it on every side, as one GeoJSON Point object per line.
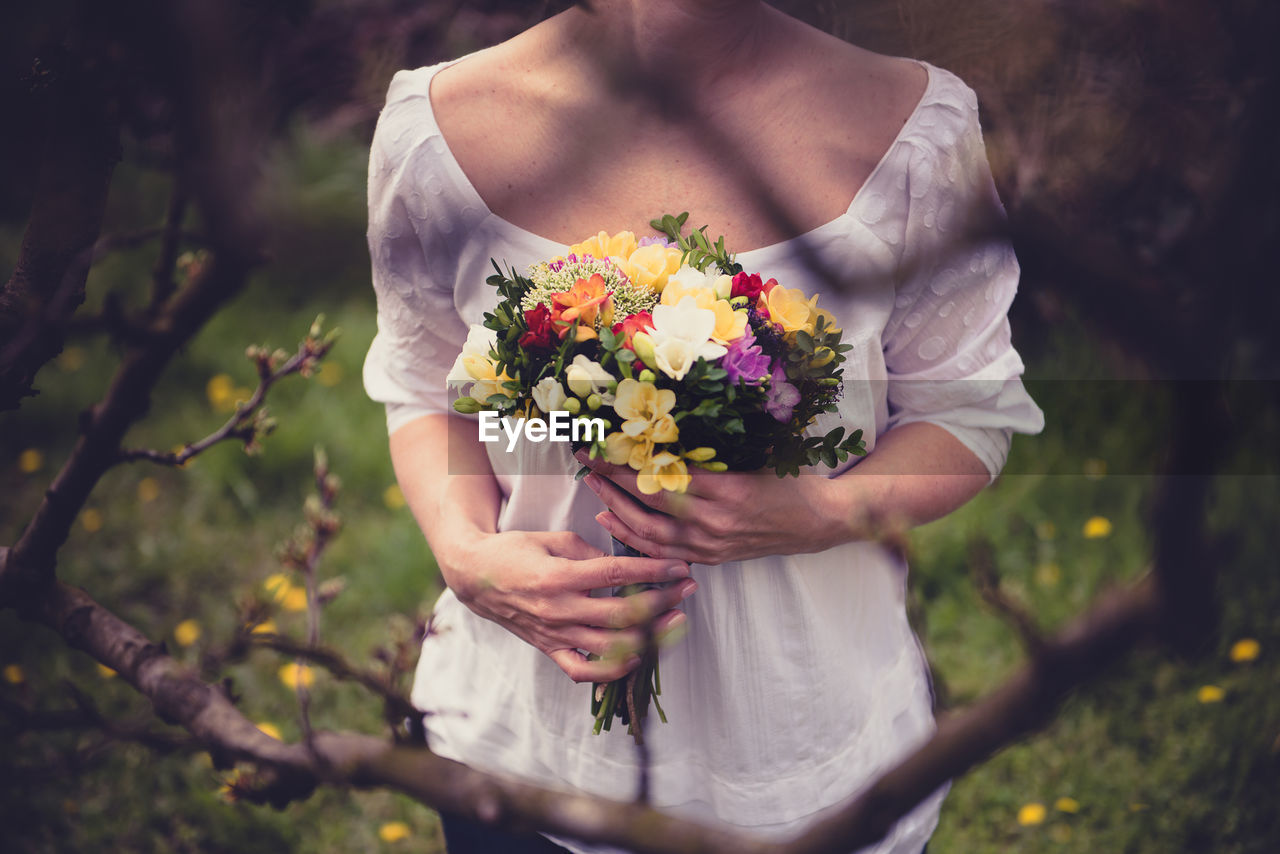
{"type": "Point", "coordinates": [625, 477]}
{"type": "Point", "coordinates": [623, 532]}
{"type": "Point", "coordinates": [619, 612]}
{"type": "Point", "coordinates": [579, 669]}
{"type": "Point", "coordinates": [613, 571]}
{"type": "Point", "coordinates": [605, 643]}
{"type": "Point", "coordinates": [569, 545]}
{"type": "Point", "coordinates": [653, 526]}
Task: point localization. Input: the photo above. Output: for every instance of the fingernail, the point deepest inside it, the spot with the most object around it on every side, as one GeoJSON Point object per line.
{"type": "Point", "coordinates": [688, 588]}
{"type": "Point", "coordinates": [593, 483]}
{"type": "Point", "coordinates": [604, 519]}
{"type": "Point", "coordinates": [677, 570]}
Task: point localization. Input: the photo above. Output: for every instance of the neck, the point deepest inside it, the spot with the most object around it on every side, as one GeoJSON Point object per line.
{"type": "Point", "coordinates": [694, 44]}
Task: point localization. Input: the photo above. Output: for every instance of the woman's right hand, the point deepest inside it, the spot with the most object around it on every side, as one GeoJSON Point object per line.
{"type": "Point", "coordinates": [537, 586]}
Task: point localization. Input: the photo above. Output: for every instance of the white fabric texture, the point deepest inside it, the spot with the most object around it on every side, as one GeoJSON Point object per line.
{"type": "Point", "coordinates": [799, 679]}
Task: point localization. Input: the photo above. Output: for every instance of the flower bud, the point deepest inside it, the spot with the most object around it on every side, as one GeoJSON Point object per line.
{"type": "Point", "coordinates": [467, 405]}
{"type": "Point", "coordinates": [573, 406]}
{"type": "Point", "coordinates": [594, 402]}
{"type": "Point", "coordinates": [643, 346]}
{"type": "Point", "coordinates": [700, 455]}
{"type": "Point", "coordinates": [647, 376]}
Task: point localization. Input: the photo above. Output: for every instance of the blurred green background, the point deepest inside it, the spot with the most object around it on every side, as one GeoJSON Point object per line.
{"type": "Point", "coordinates": [1161, 754]}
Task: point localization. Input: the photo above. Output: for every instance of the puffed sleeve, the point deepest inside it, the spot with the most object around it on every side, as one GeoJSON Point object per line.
{"type": "Point", "coordinates": [419, 329]}
{"type": "Point", "coordinates": [947, 345]}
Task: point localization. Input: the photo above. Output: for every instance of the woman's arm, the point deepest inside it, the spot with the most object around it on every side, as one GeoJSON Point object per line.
{"type": "Point", "coordinates": [917, 473]}
{"type": "Point", "coordinates": [535, 584]}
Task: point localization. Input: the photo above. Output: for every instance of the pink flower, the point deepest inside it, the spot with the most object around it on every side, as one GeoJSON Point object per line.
{"type": "Point", "coordinates": [782, 395]}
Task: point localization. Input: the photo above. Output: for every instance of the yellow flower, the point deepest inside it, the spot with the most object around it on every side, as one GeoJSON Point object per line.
{"type": "Point", "coordinates": [646, 411]}
{"type": "Point", "coordinates": [1031, 814]}
{"type": "Point", "coordinates": [1210, 694]}
{"type": "Point", "coordinates": [294, 599]}
{"type": "Point", "coordinates": [148, 490]}
{"type": "Point", "coordinates": [13, 674]}
{"type": "Point", "coordinates": [30, 461]}
{"type": "Point", "coordinates": [186, 633]}
{"type": "Point", "coordinates": [1245, 649]}
{"type": "Point", "coordinates": [1097, 527]}
{"type": "Point", "coordinates": [268, 728]}
{"type": "Point", "coordinates": [1067, 805]}
{"type": "Point", "coordinates": [223, 394]}
{"type": "Point", "coordinates": [294, 675]}
{"type": "Point", "coordinates": [393, 497]}
{"type": "Point", "coordinates": [663, 471]}
{"type": "Point", "coordinates": [789, 307]}
{"type": "Point", "coordinates": [105, 672]}
{"type": "Point", "coordinates": [730, 324]}
{"type": "Point", "coordinates": [620, 245]}
{"type": "Point", "coordinates": [266, 627]}
{"type": "Point", "coordinates": [623, 450]}
{"type": "Point", "coordinates": [394, 831]}
{"type": "Point", "coordinates": [828, 320]}
{"type": "Point", "coordinates": [91, 520]}
{"type": "Point", "coordinates": [650, 266]}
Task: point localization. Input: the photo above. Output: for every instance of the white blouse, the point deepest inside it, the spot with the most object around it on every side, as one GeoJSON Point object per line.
{"type": "Point", "coordinates": [799, 679]}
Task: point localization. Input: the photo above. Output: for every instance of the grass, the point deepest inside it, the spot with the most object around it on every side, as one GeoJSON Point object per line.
{"type": "Point", "coordinates": [1151, 767]}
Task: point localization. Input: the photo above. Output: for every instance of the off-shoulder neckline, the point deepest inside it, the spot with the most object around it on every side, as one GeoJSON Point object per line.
{"type": "Point", "coordinates": [781, 247]}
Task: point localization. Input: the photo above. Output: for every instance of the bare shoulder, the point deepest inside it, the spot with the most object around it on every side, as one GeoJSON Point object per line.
{"type": "Point", "coordinates": [855, 84]}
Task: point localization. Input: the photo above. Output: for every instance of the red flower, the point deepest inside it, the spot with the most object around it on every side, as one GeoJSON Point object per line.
{"type": "Point", "coordinates": [542, 332]}
{"type": "Point", "coordinates": [641, 321]}
{"type": "Point", "coordinates": [746, 285]}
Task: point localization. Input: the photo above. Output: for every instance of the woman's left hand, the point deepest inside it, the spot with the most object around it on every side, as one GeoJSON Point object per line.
{"type": "Point", "coordinates": [721, 517]}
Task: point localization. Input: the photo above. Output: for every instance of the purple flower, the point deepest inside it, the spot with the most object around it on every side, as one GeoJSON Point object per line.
{"type": "Point", "coordinates": [745, 361]}
{"type": "Point", "coordinates": [649, 241]}
{"type": "Point", "coordinates": [782, 395]}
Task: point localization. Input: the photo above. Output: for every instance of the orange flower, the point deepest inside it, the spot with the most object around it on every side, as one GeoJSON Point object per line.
{"type": "Point", "coordinates": [583, 303]}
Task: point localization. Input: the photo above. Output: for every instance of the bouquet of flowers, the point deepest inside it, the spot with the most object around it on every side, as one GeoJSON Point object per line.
{"type": "Point", "coordinates": [659, 354]}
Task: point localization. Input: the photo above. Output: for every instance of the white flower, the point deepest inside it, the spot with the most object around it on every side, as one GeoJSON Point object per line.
{"type": "Point", "coordinates": [549, 396]}
{"type": "Point", "coordinates": [475, 365]}
{"type": "Point", "coordinates": [586, 376]}
{"type": "Point", "coordinates": [691, 277]}
{"type": "Point", "coordinates": [471, 362]}
{"type": "Point", "coordinates": [681, 334]}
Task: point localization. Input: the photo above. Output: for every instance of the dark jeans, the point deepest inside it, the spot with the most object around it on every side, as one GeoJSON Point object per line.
{"type": "Point", "coordinates": [463, 836]}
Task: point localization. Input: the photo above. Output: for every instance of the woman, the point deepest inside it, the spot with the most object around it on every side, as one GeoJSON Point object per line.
{"type": "Point", "coordinates": [798, 678]}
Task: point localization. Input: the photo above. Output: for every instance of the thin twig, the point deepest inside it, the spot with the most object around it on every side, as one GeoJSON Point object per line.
{"type": "Point", "coordinates": [247, 424]}
{"type": "Point", "coordinates": [982, 569]}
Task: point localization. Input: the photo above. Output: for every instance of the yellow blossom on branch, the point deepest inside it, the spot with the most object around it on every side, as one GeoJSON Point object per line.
{"type": "Point", "coordinates": [1070, 805]}
{"type": "Point", "coordinates": [14, 675]}
{"type": "Point", "coordinates": [268, 728]}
